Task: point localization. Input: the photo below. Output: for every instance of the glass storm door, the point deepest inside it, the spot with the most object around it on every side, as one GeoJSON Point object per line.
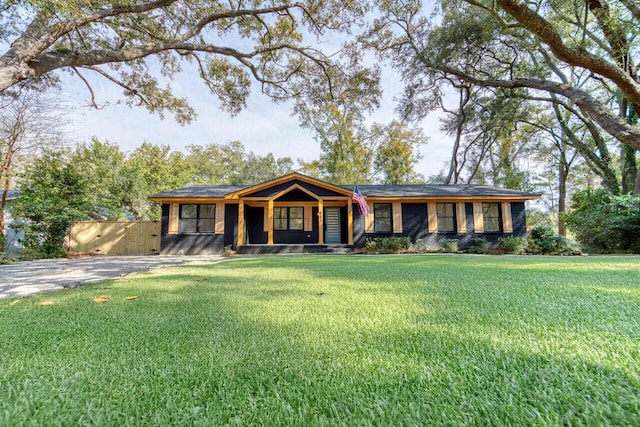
{"type": "Point", "coordinates": [332, 225]}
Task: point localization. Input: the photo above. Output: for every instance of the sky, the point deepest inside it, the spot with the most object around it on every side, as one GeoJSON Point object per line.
{"type": "Point", "coordinates": [263, 127]}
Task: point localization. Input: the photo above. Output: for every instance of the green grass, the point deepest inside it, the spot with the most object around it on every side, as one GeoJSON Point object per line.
{"type": "Point", "coordinates": [333, 340]}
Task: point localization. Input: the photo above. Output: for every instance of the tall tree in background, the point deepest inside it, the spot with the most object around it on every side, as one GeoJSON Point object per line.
{"type": "Point", "coordinates": [515, 46]}
{"type": "Point", "coordinates": [152, 169]}
{"type": "Point", "coordinates": [53, 195]}
{"type": "Point", "coordinates": [230, 44]}
{"type": "Point", "coordinates": [397, 152]}
{"type": "Point", "coordinates": [216, 164]}
{"type": "Point", "coordinates": [102, 166]}
{"type": "Point", "coordinates": [28, 123]}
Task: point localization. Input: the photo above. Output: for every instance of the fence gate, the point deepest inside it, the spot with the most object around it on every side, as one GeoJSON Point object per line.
{"type": "Point", "coordinates": [115, 237]}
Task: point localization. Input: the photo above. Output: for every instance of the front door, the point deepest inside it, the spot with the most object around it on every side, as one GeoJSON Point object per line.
{"type": "Point", "coordinates": [332, 225]}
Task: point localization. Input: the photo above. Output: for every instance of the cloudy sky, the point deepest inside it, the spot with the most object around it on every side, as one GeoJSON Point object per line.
{"type": "Point", "coordinates": [263, 127]}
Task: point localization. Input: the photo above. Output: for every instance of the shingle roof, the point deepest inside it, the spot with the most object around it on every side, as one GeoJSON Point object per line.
{"type": "Point", "coordinates": [201, 191]}
{"type": "Point", "coordinates": [413, 190]}
{"type": "Point", "coordinates": [453, 190]}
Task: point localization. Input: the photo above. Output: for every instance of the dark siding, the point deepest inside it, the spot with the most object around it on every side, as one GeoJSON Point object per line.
{"type": "Point", "coordinates": [358, 228]}
{"type": "Point", "coordinates": [468, 207]}
{"type": "Point", "coordinates": [164, 228]}
{"type": "Point", "coordinates": [296, 196]}
{"type": "Point", "coordinates": [231, 225]}
{"type": "Point", "coordinates": [414, 220]}
{"type": "Point", "coordinates": [519, 220]}
{"type": "Point", "coordinates": [294, 237]}
{"type": "Point", "coordinates": [187, 244]}
{"type": "Point", "coordinates": [254, 220]}
{"type": "Point", "coordinates": [344, 229]}
{"type": "Point", "coordinates": [192, 244]}
{"type": "Point", "coordinates": [271, 191]}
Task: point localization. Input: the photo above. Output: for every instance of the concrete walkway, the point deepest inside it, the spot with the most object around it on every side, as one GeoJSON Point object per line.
{"type": "Point", "coordinates": [25, 278]}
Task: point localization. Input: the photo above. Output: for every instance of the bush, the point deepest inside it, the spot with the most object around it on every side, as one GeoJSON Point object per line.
{"type": "Point", "coordinates": [449, 245]}
{"type": "Point", "coordinates": [543, 240]}
{"type": "Point", "coordinates": [513, 244]}
{"type": "Point", "coordinates": [479, 245]}
{"type": "Point", "coordinates": [421, 245]}
{"type": "Point", "coordinates": [603, 222]}
{"type": "Point", "coordinates": [387, 244]}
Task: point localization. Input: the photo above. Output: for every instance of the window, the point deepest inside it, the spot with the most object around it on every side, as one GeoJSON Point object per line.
{"type": "Point", "coordinates": [291, 218]}
{"type": "Point", "coordinates": [197, 218]}
{"type": "Point", "coordinates": [491, 215]}
{"type": "Point", "coordinates": [382, 217]}
{"type": "Point", "coordinates": [446, 213]}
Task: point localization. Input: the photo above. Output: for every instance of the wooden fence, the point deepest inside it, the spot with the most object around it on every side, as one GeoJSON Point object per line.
{"type": "Point", "coordinates": [115, 237]}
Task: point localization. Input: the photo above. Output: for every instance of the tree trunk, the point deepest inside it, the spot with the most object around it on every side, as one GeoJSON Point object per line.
{"type": "Point", "coordinates": [629, 168]}
{"type": "Point", "coordinates": [563, 173]}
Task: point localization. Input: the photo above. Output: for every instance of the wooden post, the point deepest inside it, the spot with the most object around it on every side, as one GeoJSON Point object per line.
{"type": "Point", "coordinates": [350, 222]}
{"type": "Point", "coordinates": [507, 222]}
{"type": "Point", "coordinates": [270, 223]}
{"type": "Point", "coordinates": [396, 207]}
{"type": "Point", "coordinates": [241, 223]}
{"type": "Point", "coordinates": [174, 225]}
{"type": "Point", "coordinates": [461, 218]}
{"type": "Point", "coordinates": [478, 218]}
{"type": "Point", "coordinates": [432, 218]}
{"type": "Point", "coordinates": [320, 222]}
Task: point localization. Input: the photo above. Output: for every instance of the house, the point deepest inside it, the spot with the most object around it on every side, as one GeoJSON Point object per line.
{"type": "Point", "coordinates": [297, 213]}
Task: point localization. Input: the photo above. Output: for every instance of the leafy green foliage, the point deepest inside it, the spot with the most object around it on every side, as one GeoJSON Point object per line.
{"type": "Point", "coordinates": [340, 340]}
{"type": "Point", "coordinates": [217, 164]}
{"type": "Point", "coordinates": [101, 164]}
{"type": "Point", "coordinates": [449, 245]}
{"type": "Point", "coordinates": [53, 195]}
{"type": "Point", "coordinates": [151, 169]}
{"type": "Point", "coordinates": [384, 245]}
{"type": "Point", "coordinates": [226, 44]}
{"type": "Point", "coordinates": [543, 240]}
{"type": "Point", "coordinates": [513, 244]}
{"type": "Point", "coordinates": [479, 245]}
{"type": "Point", "coordinates": [605, 223]}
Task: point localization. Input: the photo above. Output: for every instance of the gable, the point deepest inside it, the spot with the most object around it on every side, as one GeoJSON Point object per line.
{"type": "Point", "coordinates": [282, 187]}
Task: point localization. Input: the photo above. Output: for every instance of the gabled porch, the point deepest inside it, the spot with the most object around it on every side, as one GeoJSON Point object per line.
{"type": "Point", "coordinates": [295, 214]}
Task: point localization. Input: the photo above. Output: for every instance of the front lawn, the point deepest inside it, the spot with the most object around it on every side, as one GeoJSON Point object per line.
{"type": "Point", "coordinates": [333, 340]}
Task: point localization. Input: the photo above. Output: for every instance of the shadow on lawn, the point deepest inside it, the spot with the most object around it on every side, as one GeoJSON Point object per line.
{"type": "Point", "coordinates": [218, 345]}
{"type": "Point", "coordinates": [420, 372]}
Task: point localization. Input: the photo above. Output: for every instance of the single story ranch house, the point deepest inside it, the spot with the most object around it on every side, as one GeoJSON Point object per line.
{"type": "Point", "coordinates": [297, 213]}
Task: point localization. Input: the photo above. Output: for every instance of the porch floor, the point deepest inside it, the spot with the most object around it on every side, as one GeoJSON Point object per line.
{"type": "Point", "coordinates": [281, 248]}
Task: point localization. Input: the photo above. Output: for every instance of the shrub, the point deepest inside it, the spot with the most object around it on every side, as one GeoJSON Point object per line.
{"type": "Point", "coordinates": [513, 244]}
{"type": "Point", "coordinates": [605, 223]}
{"type": "Point", "coordinates": [387, 244]}
{"type": "Point", "coordinates": [543, 240]}
{"type": "Point", "coordinates": [449, 245]}
{"type": "Point", "coordinates": [421, 245]}
{"type": "Point", "coordinates": [479, 245]}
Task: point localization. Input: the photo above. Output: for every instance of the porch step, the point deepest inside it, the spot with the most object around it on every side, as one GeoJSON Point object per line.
{"type": "Point", "coordinates": [293, 249]}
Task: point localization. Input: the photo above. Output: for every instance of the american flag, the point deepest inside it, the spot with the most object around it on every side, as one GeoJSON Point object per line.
{"type": "Point", "coordinates": [359, 199]}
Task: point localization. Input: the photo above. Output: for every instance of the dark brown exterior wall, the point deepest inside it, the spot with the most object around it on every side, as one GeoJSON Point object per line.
{"type": "Point", "coordinates": [415, 226]}
{"type": "Point", "coordinates": [414, 219]}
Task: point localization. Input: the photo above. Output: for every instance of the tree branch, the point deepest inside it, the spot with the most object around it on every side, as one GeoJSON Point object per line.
{"type": "Point", "coordinates": [578, 57]}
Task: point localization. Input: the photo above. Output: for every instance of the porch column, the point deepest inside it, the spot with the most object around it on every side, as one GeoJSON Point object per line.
{"type": "Point", "coordinates": [270, 222]}
{"type": "Point", "coordinates": [241, 223]}
{"type": "Point", "coordinates": [350, 222]}
{"type": "Point", "coordinates": [320, 222]}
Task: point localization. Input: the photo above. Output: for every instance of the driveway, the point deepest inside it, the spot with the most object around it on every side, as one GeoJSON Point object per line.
{"type": "Point", "coordinates": [25, 278]}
